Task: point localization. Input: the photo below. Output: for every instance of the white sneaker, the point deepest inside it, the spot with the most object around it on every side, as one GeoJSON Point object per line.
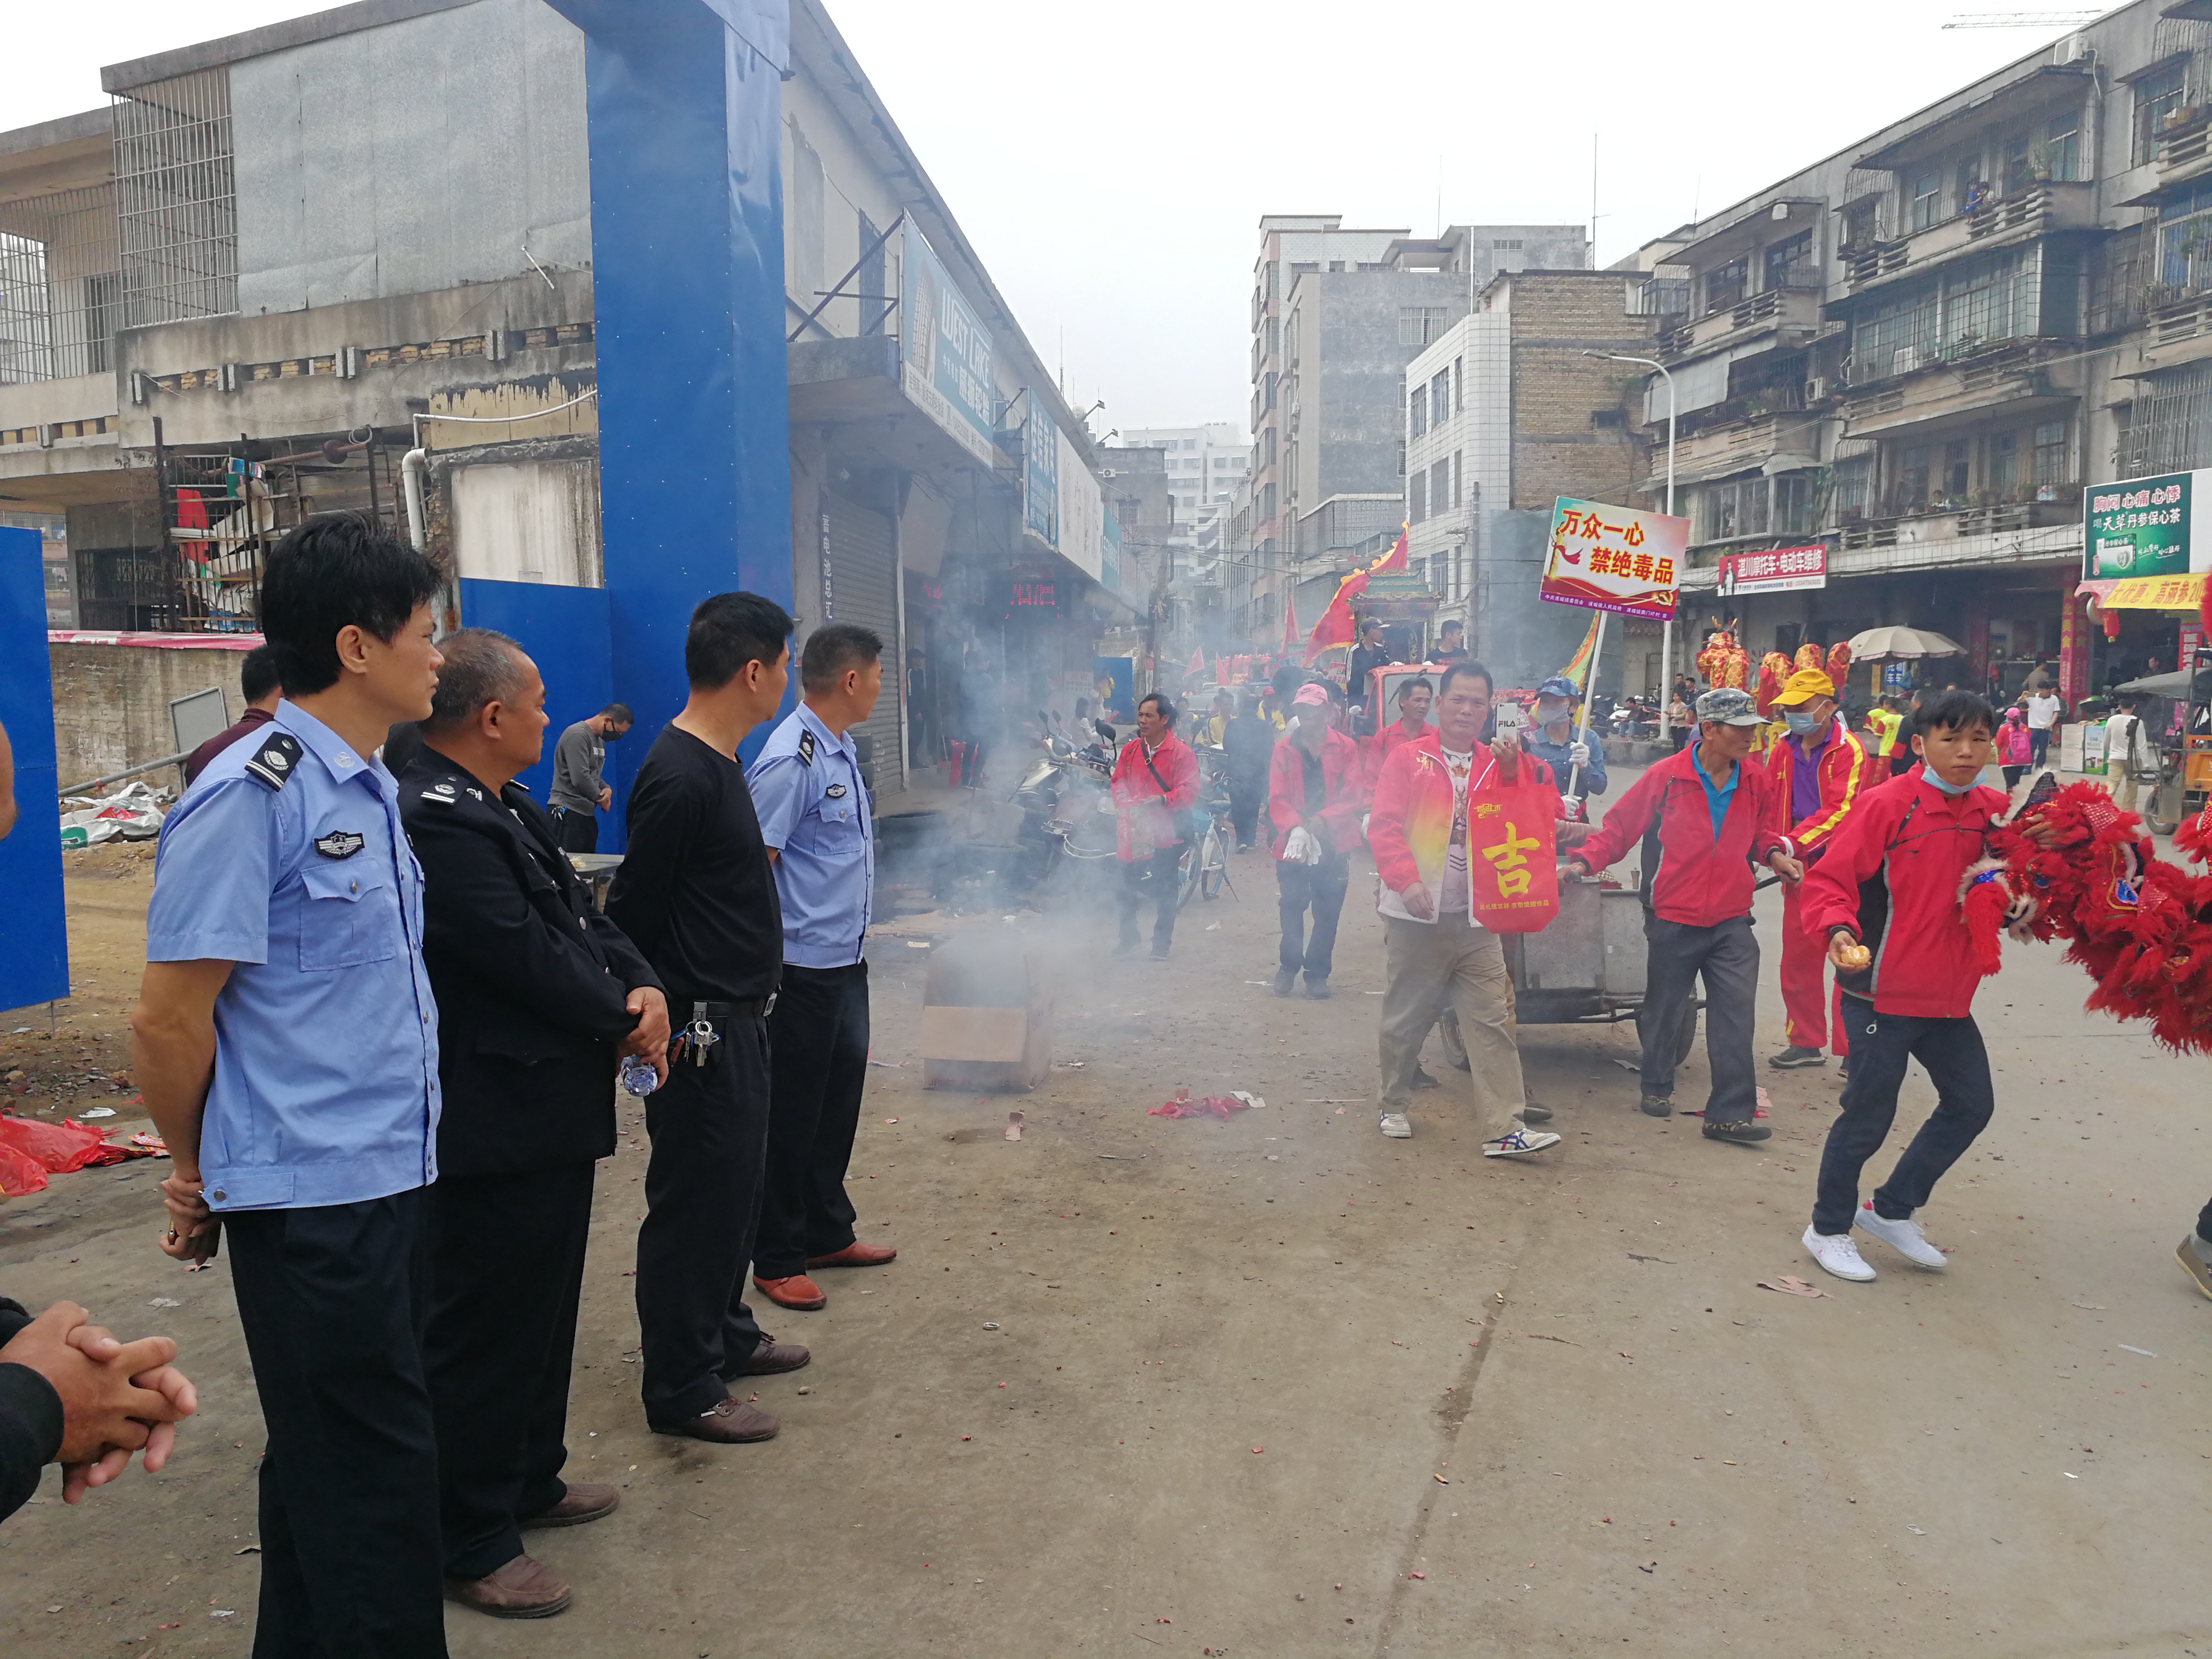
{"type": "Point", "coordinates": [1395, 1126]}
{"type": "Point", "coordinates": [1903, 1237]}
{"type": "Point", "coordinates": [1837, 1254]}
{"type": "Point", "coordinates": [1519, 1143]}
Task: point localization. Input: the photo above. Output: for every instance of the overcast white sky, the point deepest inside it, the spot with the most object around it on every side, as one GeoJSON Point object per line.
{"type": "Point", "coordinates": [1111, 163]}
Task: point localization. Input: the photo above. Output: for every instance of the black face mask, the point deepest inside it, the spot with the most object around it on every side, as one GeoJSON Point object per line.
{"type": "Point", "coordinates": [609, 735]}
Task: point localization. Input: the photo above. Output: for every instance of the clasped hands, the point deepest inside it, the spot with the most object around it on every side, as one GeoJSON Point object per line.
{"type": "Point", "coordinates": [117, 1397]}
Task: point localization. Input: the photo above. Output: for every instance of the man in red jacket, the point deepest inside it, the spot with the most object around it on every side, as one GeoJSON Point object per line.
{"type": "Point", "coordinates": [1435, 954]}
{"type": "Point", "coordinates": [1315, 783]}
{"type": "Point", "coordinates": [1414, 699]}
{"type": "Point", "coordinates": [1890, 886]}
{"type": "Point", "coordinates": [1818, 769]}
{"type": "Point", "coordinates": [1155, 783]}
{"type": "Point", "coordinates": [1713, 815]}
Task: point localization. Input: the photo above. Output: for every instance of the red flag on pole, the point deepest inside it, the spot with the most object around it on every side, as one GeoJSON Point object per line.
{"type": "Point", "coordinates": [1335, 626]}
{"type": "Point", "coordinates": [1197, 669]}
{"type": "Point", "coordinates": [1289, 621]}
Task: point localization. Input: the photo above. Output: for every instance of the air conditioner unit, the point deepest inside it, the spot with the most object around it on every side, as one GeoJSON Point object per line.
{"type": "Point", "coordinates": [2076, 48]}
{"type": "Point", "coordinates": [1904, 360]}
{"type": "Point", "coordinates": [1816, 390]}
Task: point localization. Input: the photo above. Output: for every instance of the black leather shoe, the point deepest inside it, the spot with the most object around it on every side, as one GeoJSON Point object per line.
{"type": "Point", "coordinates": [731, 1422]}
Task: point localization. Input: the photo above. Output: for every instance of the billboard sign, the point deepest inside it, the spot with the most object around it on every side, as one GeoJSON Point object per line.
{"type": "Point", "coordinates": [945, 351]}
{"type": "Point", "coordinates": [1778, 570]}
{"type": "Point", "coordinates": [2145, 527]}
{"type": "Point", "coordinates": [1620, 559]}
{"type": "Point", "coordinates": [1079, 529]}
{"type": "Point", "coordinates": [1040, 476]}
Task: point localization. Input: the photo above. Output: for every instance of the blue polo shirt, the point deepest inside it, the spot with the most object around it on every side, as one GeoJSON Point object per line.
{"type": "Point", "coordinates": [290, 862]}
{"type": "Point", "coordinates": [1717, 794]}
{"type": "Point", "coordinates": [813, 809]}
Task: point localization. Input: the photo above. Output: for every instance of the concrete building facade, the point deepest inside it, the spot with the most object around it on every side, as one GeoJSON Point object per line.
{"type": "Point", "coordinates": [277, 262]}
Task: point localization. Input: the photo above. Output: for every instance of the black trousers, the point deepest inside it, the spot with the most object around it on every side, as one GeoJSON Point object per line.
{"type": "Point", "coordinates": [580, 831]}
{"type": "Point", "coordinates": [702, 1188]}
{"type": "Point", "coordinates": [1155, 881]}
{"type": "Point", "coordinates": [2013, 776]}
{"type": "Point", "coordinates": [1952, 1053]}
{"type": "Point", "coordinates": [506, 1268]}
{"type": "Point", "coordinates": [1319, 887]}
{"type": "Point", "coordinates": [2039, 745]}
{"type": "Point", "coordinates": [1727, 954]}
{"type": "Point", "coordinates": [1246, 796]}
{"type": "Point", "coordinates": [330, 1298]}
{"type": "Point", "coordinates": [818, 1064]}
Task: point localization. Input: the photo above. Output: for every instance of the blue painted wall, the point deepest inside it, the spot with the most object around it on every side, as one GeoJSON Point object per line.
{"type": "Point", "coordinates": [685, 102]}
{"type": "Point", "coordinates": [34, 933]}
{"type": "Point", "coordinates": [565, 631]}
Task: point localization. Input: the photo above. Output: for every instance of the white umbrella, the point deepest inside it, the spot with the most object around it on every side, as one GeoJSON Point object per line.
{"type": "Point", "coordinates": [1903, 642]}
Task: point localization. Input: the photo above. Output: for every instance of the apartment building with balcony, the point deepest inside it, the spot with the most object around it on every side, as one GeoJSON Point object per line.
{"type": "Point", "coordinates": [1337, 314]}
{"type": "Point", "coordinates": [1918, 350]}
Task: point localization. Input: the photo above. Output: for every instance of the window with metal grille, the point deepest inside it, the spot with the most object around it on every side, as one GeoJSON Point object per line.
{"type": "Point", "coordinates": [2168, 427]}
{"type": "Point", "coordinates": [57, 285]}
{"type": "Point", "coordinates": [2158, 94]}
{"type": "Point", "coordinates": [1417, 408]}
{"type": "Point", "coordinates": [176, 200]}
{"type": "Point", "coordinates": [1418, 324]}
{"type": "Point", "coordinates": [1440, 399]}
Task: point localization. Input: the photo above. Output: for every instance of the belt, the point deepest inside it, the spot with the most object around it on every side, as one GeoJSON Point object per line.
{"type": "Point", "coordinates": [751, 1008]}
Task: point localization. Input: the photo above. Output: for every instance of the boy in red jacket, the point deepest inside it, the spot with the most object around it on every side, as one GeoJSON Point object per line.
{"type": "Point", "coordinates": [1315, 782]}
{"type": "Point", "coordinates": [1709, 808]}
{"type": "Point", "coordinates": [1886, 898]}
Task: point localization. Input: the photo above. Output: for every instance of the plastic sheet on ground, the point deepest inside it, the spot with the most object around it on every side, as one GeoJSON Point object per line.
{"type": "Point", "coordinates": [133, 812]}
{"type": "Point", "coordinates": [30, 1150]}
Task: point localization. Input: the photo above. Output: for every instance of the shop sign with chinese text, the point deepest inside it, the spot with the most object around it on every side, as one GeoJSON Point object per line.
{"type": "Point", "coordinates": [1615, 558]}
{"type": "Point", "coordinates": [2145, 527]}
{"type": "Point", "coordinates": [944, 350]}
{"type": "Point", "coordinates": [1778, 570]}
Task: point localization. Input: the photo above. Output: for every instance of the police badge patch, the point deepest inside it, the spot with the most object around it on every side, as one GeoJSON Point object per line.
{"type": "Point", "coordinates": [835, 792]}
{"type": "Point", "coordinates": [272, 763]}
{"type": "Point", "coordinates": [340, 844]}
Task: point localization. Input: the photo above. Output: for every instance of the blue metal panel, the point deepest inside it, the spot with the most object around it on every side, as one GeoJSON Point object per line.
{"type": "Point", "coordinates": [565, 631]}
{"type": "Point", "coordinates": [687, 274]}
{"type": "Point", "coordinates": [33, 929]}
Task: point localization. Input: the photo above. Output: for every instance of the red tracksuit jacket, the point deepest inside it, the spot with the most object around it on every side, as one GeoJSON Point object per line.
{"type": "Point", "coordinates": [1699, 881]}
{"type": "Point", "coordinates": [1343, 785]}
{"type": "Point", "coordinates": [1843, 771]}
{"type": "Point", "coordinates": [1409, 831]}
{"type": "Point", "coordinates": [1891, 875]}
{"type": "Point", "coordinates": [1145, 806]}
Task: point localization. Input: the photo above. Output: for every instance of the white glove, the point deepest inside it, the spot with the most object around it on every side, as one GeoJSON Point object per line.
{"type": "Point", "coordinates": [1578, 754]}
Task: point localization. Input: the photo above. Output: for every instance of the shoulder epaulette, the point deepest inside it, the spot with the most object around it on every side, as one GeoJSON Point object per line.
{"type": "Point", "coordinates": [807, 748]}
{"type": "Point", "coordinates": [273, 764]}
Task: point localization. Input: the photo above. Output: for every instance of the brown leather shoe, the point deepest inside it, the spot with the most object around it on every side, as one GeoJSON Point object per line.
{"type": "Point", "coordinates": [797, 1291]}
{"type": "Point", "coordinates": [732, 1422]}
{"type": "Point", "coordinates": [770, 1359]}
{"type": "Point", "coordinates": [579, 1503]}
{"type": "Point", "coordinates": [855, 1254]}
{"type": "Point", "coordinates": [523, 1588]}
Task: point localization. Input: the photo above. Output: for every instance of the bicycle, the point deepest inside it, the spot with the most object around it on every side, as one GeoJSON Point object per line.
{"type": "Point", "coordinates": [1204, 867]}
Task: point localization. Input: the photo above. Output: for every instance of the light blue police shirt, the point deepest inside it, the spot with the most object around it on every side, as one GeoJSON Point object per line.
{"type": "Point", "coordinates": [813, 809]}
{"type": "Point", "coordinates": [326, 1086]}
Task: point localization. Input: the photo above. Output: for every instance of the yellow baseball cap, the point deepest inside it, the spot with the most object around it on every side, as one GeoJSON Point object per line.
{"type": "Point", "coordinates": [1804, 685]}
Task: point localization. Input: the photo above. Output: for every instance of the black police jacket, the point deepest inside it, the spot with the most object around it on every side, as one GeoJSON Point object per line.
{"type": "Point", "coordinates": [30, 1420]}
{"type": "Point", "coordinates": [530, 979]}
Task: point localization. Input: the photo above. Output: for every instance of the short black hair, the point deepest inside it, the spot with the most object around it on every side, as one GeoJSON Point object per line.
{"type": "Point", "coordinates": [730, 630]}
{"type": "Point", "coordinates": [1418, 683]}
{"type": "Point", "coordinates": [1165, 705]}
{"type": "Point", "coordinates": [619, 714]}
{"type": "Point", "coordinates": [834, 648]}
{"type": "Point", "coordinates": [1458, 670]}
{"type": "Point", "coordinates": [257, 675]}
{"type": "Point", "coordinates": [1454, 626]}
{"type": "Point", "coordinates": [337, 570]}
{"type": "Point", "coordinates": [1955, 711]}
{"type": "Point", "coordinates": [1285, 680]}
{"type": "Point", "coordinates": [481, 665]}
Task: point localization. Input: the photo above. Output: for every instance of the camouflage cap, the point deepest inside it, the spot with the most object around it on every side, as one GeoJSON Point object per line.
{"type": "Point", "coordinates": [1730, 707]}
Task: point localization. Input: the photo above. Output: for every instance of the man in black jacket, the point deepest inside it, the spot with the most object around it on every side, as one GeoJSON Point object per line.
{"type": "Point", "coordinates": [70, 1393]}
{"type": "Point", "coordinates": [537, 995]}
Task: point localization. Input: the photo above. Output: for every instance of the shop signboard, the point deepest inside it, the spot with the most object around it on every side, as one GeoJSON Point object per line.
{"type": "Point", "coordinates": [945, 351]}
{"type": "Point", "coordinates": [1080, 528]}
{"type": "Point", "coordinates": [1041, 476]}
{"type": "Point", "coordinates": [2146, 527]}
{"type": "Point", "coordinates": [1778, 570]}
{"type": "Point", "coordinates": [1622, 559]}
{"type": "Point", "coordinates": [1109, 554]}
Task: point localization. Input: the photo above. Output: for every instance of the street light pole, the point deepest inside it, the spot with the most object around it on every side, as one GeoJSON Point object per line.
{"type": "Point", "coordinates": [1667, 632]}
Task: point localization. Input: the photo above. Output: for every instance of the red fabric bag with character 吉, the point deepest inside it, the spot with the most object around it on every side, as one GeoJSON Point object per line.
{"type": "Point", "coordinates": [1512, 875]}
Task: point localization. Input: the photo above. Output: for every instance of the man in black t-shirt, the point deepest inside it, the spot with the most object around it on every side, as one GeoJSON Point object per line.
{"type": "Point", "coordinates": [696, 895]}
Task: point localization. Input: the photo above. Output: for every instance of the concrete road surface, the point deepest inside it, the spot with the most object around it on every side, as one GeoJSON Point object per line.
{"type": "Point", "coordinates": [1278, 1386]}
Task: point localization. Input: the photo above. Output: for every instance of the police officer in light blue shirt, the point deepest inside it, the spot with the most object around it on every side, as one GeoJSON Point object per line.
{"type": "Point", "coordinates": [287, 1048]}
{"type": "Point", "coordinates": [813, 810]}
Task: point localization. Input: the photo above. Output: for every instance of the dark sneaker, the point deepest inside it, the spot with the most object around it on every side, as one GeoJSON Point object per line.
{"type": "Point", "coordinates": [1423, 1081]}
{"type": "Point", "coordinates": [1286, 980]}
{"type": "Point", "coordinates": [1794, 1057]}
{"type": "Point", "coordinates": [1318, 989]}
{"type": "Point", "coordinates": [1531, 1112]}
{"type": "Point", "coordinates": [1159, 953]}
{"type": "Point", "coordinates": [1656, 1106]}
{"type": "Point", "coordinates": [1742, 1129]}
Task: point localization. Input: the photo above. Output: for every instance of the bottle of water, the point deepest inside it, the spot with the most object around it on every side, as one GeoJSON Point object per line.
{"type": "Point", "coordinates": [638, 1077]}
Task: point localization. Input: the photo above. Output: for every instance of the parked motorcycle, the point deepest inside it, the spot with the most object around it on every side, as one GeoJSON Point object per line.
{"type": "Point", "coordinates": [1067, 813]}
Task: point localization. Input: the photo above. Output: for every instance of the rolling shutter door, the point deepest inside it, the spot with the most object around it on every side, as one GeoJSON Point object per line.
{"type": "Point", "coordinates": [862, 588]}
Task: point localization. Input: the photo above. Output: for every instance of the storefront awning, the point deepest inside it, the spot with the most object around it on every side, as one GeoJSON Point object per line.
{"type": "Point", "coordinates": [2147, 593]}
